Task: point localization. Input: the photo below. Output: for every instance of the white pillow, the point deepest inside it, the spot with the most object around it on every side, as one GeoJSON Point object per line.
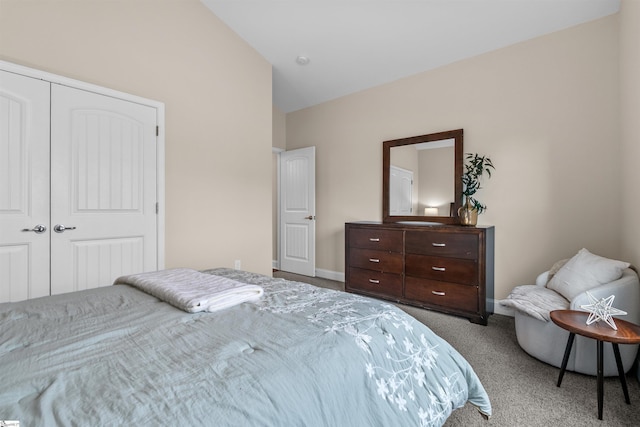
{"type": "Point", "coordinates": [583, 272]}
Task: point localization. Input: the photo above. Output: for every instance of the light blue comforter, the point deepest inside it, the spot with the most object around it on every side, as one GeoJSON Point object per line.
{"type": "Point", "coordinates": [301, 356]}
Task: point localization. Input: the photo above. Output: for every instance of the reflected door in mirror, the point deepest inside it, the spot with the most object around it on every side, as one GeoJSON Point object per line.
{"type": "Point", "coordinates": [401, 191]}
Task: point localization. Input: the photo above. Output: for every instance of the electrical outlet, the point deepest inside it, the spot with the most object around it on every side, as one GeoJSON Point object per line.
{"type": "Point", "coordinates": [237, 265]}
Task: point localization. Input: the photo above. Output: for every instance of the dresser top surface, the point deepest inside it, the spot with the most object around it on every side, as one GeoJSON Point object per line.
{"type": "Point", "coordinates": [419, 225]}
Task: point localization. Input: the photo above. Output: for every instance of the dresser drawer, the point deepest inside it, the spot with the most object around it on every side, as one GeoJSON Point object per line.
{"type": "Point", "coordinates": [450, 295]}
{"type": "Point", "coordinates": [447, 268]}
{"type": "Point", "coordinates": [454, 270]}
{"type": "Point", "coordinates": [376, 282]}
{"type": "Point", "coordinates": [457, 245]}
{"type": "Point", "coordinates": [370, 238]}
{"type": "Point", "coordinates": [376, 260]}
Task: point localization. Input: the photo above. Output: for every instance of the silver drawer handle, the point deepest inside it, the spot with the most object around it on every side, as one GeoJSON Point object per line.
{"type": "Point", "coordinates": [438, 268]}
{"type": "Point", "coordinates": [439, 245]}
{"type": "Point", "coordinates": [374, 260]}
{"type": "Point", "coordinates": [374, 239]}
{"type": "Point", "coordinates": [377, 282]}
{"type": "Point", "coordinates": [440, 294]}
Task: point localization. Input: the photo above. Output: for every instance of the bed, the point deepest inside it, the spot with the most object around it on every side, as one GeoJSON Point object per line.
{"type": "Point", "coordinates": [298, 356]}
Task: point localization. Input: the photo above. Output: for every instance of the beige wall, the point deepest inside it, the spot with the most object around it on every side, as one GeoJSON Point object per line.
{"type": "Point", "coordinates": [546, 111]}
{"type": "Point", "coordinates": [217, 94]}
{"type": "Point", "coordinates": [279, 143]}
{"type": "Point", "coordinates": [630, 126]}
{"type": "Point", "coordinates": [279, 128]}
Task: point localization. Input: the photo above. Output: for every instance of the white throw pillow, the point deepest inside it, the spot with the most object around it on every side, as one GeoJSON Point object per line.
{"type": "Point", "coordinates": [583, 272]}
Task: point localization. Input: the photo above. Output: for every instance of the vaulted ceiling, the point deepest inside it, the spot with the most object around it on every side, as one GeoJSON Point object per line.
{"type": "Point", "coordinates": [351, 45]}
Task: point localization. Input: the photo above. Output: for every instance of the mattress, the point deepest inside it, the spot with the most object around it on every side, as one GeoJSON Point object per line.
{"type": "Point", "coordinates": [299, 356]}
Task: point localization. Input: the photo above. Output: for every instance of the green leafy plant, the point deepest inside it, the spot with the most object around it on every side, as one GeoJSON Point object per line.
{"type": "Point", "coordinates": [475, 167]}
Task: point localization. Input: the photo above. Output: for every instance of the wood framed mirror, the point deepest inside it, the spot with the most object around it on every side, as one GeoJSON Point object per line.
{"type": "Point", "coordinates": [422, 178]}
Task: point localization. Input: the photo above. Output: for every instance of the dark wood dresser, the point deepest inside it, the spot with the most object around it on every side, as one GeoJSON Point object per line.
{"type": "Point", "coordinates": [447, 268]}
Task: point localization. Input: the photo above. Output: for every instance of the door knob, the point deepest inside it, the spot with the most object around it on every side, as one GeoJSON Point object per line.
{"type": "Point", "coordinates": [310, 217]}
{"type": "Point", "coordinates": [39, 229]}
{"type": "Point", "coordinates": [59, 228]}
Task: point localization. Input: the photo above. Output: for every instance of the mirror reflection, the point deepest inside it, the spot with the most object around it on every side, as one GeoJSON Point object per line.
{"type": "Point", "coordinates": [422, 177]}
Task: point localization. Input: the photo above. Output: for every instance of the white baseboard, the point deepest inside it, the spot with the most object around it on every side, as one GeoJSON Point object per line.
{"type": "Point", "coordinates": [324, 274]}
{"type": "Point", "coordinates": [501, 309]}
{"type": "Point", "coordinates": [331, 275]}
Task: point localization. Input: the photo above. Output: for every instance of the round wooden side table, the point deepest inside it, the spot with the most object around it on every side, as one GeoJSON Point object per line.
{"type": "Point", "coordinates": [576, 323]}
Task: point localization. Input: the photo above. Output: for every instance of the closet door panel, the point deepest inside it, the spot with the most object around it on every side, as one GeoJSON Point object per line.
{"type": "Point", "coordinates": [24, 187]}
{"type": "Point", "coordinates": [104, 181]}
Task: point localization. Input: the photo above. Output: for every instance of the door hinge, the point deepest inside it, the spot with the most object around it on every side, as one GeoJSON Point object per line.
{"type": "Point", "coordinates": [157, 130]}
{"type": "Point", "coordinates": [157, 208]}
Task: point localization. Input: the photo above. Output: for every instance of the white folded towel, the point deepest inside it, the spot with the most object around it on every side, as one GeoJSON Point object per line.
{"type": "Point", "coordinates": [191, 290]}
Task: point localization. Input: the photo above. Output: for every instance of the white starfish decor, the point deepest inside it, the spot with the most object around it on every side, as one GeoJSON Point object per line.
{"type": "Point", "coordinates": [602, 310]}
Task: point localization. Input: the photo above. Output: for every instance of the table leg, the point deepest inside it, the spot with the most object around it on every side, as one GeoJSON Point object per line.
{"type": "Point", "coordinates": [565, 359]}
{"type": "Point", "coordinates": [623, 380]}
{"type": "Point", "coordinates": [600, 379]}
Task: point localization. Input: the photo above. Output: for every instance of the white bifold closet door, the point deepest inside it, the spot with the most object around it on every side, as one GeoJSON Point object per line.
{"type": "Point", "coordinates": [103, 188]}
{"type": "Point", "coordinates": [24, 187]}
{"type": "Point", "coordinates": [91, 183]}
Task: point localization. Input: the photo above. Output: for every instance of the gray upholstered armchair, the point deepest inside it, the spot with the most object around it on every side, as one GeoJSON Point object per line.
{"type": "Point", "coordinates": [546, 341]}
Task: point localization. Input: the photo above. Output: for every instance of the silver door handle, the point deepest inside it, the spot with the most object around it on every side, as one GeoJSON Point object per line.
{"type": "Point", "coordinates": [59, 228]}
{"type": "Point", "coordinates": [39, 229]}
{"type": "Point", "coordinates": [310, 217]}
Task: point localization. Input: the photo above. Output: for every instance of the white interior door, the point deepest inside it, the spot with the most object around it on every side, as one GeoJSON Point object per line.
{"type": "Point", "coordinates": [400, 191]}
{"type": "Point", "coordinates": [103, 176]}
{"type": "Point", "coordinates": [24, 187]}
{"type": "Point", "coordinates": [297, 211]}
